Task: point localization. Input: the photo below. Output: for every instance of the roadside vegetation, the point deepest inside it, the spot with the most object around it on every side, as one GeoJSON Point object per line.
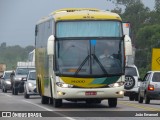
{"type": "Point", "coordinates": [145, 26]}
{"type": "Point", "coordinates": [11, 54]}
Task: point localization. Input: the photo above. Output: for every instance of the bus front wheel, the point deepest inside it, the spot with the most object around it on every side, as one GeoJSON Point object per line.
{"type": "Point", "coordinates": [112, 102]}
{"type": "Point", "coordinates": [44, 99]}
{"type": "Point", "coordinates": [57, 102]}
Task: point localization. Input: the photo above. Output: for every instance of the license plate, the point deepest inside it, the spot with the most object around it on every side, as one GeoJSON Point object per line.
{"type": "Point", "coordinates": [90, 93]}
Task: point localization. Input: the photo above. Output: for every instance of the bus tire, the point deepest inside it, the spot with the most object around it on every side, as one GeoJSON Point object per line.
{"type": "Point", "coordinates": [51, 101]}
{"type": "Point", "coordinates": [112, 102]}
{"type": "Point", "coordinates": [57, 102]}
{"type": "Point", "coordinates": [44, 99]}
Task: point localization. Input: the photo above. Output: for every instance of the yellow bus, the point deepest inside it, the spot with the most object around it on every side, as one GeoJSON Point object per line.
{"type": "Point", "coordinates": [80, 56]}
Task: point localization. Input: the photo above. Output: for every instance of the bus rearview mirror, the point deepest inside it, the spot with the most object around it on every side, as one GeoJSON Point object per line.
{"type": "Point", "coordinates": [50, 45]}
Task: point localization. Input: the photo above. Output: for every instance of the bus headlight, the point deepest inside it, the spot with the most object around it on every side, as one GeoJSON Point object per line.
{"type": "Point", "coordinates": [118, 84]}
{"type": "Point", "coordinates": [63, 85]}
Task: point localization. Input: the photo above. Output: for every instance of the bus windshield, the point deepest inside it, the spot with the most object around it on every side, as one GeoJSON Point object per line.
{"type": "Point", "coordinates": [88, 29]}
{"type": "Point", "coordinates": [89, 57]}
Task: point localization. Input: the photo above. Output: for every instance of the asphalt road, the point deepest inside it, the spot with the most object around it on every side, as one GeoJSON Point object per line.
{"type": "Point", "coordinates": [77, 111]}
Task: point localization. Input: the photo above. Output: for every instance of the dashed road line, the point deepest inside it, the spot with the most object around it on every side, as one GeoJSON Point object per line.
{"type": "Point", "coordinates": [37, 105]}
{"type": "Point", "coordinates": [8, 95]}
{"type": "Point", "coordinates": [62, 115]}
{"type": "Point", "coordinates": [69, 118]}
{"type": "Point", "coordinates": [139, 106]}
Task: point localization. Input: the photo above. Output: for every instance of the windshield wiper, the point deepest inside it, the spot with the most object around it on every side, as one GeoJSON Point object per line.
{"type": "Point", "coordinates": [85, 60]}
{"type": "Point", "coordinates": [81, 65]}
{"type": "Point", "coordinates": [100, 64]}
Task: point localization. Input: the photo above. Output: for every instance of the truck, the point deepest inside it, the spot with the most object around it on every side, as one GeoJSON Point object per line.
{"type": "Point", "coordinates": [127, 31]}
{"type": "Point", "coordinates": [21, 72]}
{"type": "Point", "coordinates": [132, 77]}
{"type": "Point", "coordinates": [2, 69]}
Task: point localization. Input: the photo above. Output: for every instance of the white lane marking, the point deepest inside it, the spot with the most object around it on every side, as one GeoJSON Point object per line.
{"type": "Point", "coordinates": [6, 94]}
{"type": "Point", "coordinates": [69, 118]}
{"type": "Point", "coordinates": [38, 105]}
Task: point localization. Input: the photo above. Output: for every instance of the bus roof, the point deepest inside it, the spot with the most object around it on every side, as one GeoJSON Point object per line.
{"type": "Point", "coordinates": [81, 14]}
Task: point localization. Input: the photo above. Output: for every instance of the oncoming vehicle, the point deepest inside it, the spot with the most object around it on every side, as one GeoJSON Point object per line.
{"type": "Point", "coordinates": [132, 82]}
{"type": "Point", "coordinates": [150, 87]}
{"type": "Point", "coordinates": [6, 81]}
{"type": "Point", "coordinates": [68, 46]}
{"type": "Point", "coordinates": [22, 71]}
{"type": "Point", "coordinates": [30, 84]}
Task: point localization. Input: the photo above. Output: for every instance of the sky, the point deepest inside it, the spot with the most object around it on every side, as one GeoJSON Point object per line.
{"type": "Point", "coordinates": [18, 17]}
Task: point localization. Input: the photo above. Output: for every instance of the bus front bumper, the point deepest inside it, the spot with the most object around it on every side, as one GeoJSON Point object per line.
{"type": "Point", "coordinates": [102, 93]}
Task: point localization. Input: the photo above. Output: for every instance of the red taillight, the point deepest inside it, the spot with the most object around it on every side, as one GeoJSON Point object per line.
{"type": "Point", "coordinates": [151, 87]}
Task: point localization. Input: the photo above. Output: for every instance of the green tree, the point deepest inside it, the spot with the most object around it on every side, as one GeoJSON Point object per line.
{"type": "Point", "coordinates": [11, 54]}
{"type": "Point", "coordinates": [3, 45]}
{"type": "Point", "coordinates": [135, 12]}
{"type": "Point", "coordinates": [148, 37]}
{"type": "Point", "coordinates": [155, 14]}
{"type": "Point", "coordinates": [126, 3]}
{"type": "Point", "coordinates": [157, 5]}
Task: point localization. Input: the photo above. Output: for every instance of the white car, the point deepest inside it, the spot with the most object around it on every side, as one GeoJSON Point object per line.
{"type": "Point", "coordinates": [5, 81]}
{"type": "Point", "coordinates": [132, 82]}
{"type": "Point", "coordinates": [30, 84]}
{"type": "Point", "coordinates": [150, 87]}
